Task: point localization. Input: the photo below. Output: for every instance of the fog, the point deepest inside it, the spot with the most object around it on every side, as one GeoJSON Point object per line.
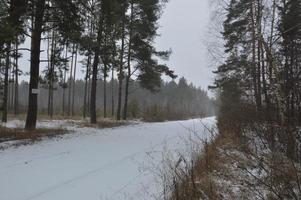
{"type": "Point", "coordinates": [183, 29]}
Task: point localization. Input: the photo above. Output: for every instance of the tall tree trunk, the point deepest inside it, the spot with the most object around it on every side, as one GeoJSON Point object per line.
{"type": "Point", "coordinates": [70, 83]}
{"type": "Point", "coordinates": [126, 96]}
{"type": "Point", "coordinates": [50, 52]}
{"type": "Point", "coordinates": [270, 68]}
{"type": "Point", "coordinates": [86, 107]}
{"type": "Point", "coordinates": [89, 95]}
{"type": "Point", "coordinates": [105, 91]}
{"type": "Point", "coordinates": [120, 70]}
{"type": "Point", "coordinates": [258, 76]}
{"type": "Point", "coordinates": [6, 84]}
{"type": "Point", "coordinates": [16, 100]}
{"type": "Point", "coordinates": [273, 23]}
{"type": "Point", "coordinates": [94, 88]}
{"type": "Point", "coordinates": [259, 18]}
{"type": "Point", "coordinates": [64, 82]}
{"type": "Point", "coordinates": [86, 86]}
{"type": "Point", "coordinates": [128, 78]}
{"type": "Point", "coordinates": [113, 94]}
{"type": "Point", "coordinates": [52, 78]}
{"type": "Point", "coordinates": [93, 116]}
{"type": "Point", "coordinates": [10, 88]}
{"type": "Point", "coordinates": [49, 55]}
{"type": "Point", "coordinates": [264, 82]}
{"type": "Point", "coordinates": [74, 81]}
{"type": "Point", "coordinates": [32, 110]}
{"type": "Point", "coordinates": [12, 83]}
{"type": "Point", "coordinates": [254, 69]}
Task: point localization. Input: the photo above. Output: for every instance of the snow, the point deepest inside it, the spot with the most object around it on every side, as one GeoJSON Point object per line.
{"type": "Point", "coordinates": [116, 163]}
{"type": "Point", "coordinates": [67, 124]}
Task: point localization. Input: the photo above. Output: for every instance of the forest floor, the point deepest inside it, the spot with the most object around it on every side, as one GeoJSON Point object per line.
{"type": "Point", "coordinates": [123, 162]}
{"type": "Point", "coordinates": [14, 131]}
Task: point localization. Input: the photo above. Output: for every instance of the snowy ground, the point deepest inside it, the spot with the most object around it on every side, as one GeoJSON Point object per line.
{"type": "Point", "coordinates": [95, 164]}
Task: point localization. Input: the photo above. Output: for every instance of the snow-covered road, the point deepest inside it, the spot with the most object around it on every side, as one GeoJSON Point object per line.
{"type": "Point", "coordinates": [94, 164]}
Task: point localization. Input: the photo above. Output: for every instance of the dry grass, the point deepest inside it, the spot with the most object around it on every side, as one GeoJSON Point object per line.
{"type": "Point", "coordinates": [211, 164]}
{"type": "Point", "coordinates": [106, 123]}
{"type": "Point", "coordinates": [10, 134]}
{"type": "Point", "coordinates": [208, 163]}
{"type": "Point", "coordinates": [230, 169]}
{"type": "Point", "coordinates": [45, 117]}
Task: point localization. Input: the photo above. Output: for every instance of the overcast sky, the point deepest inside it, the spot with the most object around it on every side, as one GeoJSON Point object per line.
{"type": "Point", "coordinates": [183, 27]}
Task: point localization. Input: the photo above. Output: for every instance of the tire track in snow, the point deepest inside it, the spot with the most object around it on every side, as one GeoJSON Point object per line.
{"type": "Point", "coordinates": [80, 132]}
{"type": "Point", "coordinates": [38, 158]}
{"type": "Point", "coordinates": [94, 171]}
{"type": "Point", "coordinates": [26, 162]}
{"type": "Point", "coordinates": [119, 190]}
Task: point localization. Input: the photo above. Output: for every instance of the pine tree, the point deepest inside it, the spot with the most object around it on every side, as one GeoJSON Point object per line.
{"type": "Point", "coordinates": [12, 27]}
{"type": "Point", "coordinates": [64, 15]}
{"type": "Point", "coordinates": [142, 29]}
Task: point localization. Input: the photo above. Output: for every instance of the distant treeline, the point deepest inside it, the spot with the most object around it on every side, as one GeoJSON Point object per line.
{"type": "Point", "coordinates": [173, 101]}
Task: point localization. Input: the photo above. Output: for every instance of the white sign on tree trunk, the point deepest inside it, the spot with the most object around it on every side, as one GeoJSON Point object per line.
{"type": "Point", "coordinates": [35, 91]}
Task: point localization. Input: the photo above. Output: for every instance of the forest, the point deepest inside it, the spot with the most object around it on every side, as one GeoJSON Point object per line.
{"type": "Point", "coordinates": [173, 101]}
{"type": "Point", "coordinates": [261, 72]}
{"type": "Point", "coordinates": [112, 41]}
{"type": "Point", "coordinates": [128, 126]}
